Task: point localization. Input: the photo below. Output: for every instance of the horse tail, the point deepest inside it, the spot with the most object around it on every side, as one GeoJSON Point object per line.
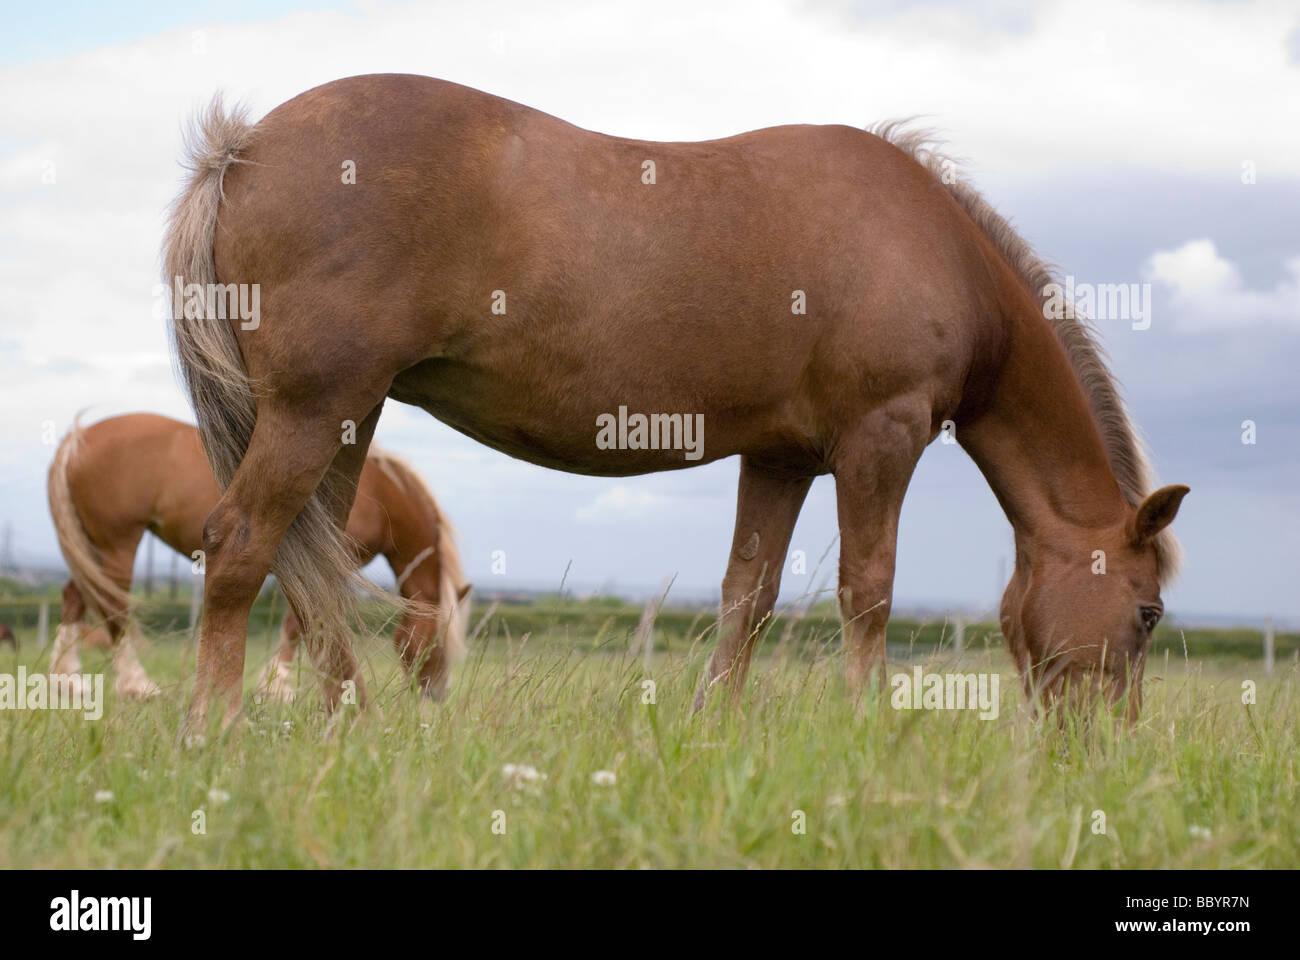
{"type": "Point", "coordinates": [312, 563]}
{"type": "Point", "coordinates": [103, 597]}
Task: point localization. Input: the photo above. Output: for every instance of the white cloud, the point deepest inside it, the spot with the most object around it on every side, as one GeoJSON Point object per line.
{"type": "Point", "coordinates": [1075, 85]}
{"type": "Point", "coordinates": [1194, 268]}
{"type": "Point", "coordinates": [1208, 291]}
{"type": "Point", "coordinates": [619, 502]}
{"type": "Point", "coordinates": [1107, 87]}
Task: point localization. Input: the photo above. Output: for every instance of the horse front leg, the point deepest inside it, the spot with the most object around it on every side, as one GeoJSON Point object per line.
{"type": "Point", "coordinates": [767, 506]}
{"type": "Point", "coordinates": [873, 467]}
{"type": "Point", "coordinates": [132, 681]}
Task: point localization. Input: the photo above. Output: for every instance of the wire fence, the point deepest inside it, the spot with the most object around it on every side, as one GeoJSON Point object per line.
{"type": "Point", "coordinates": [174, 619]}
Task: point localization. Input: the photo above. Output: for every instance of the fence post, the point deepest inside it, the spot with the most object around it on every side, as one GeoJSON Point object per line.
{"type": "Point", "coordinates": [196, 598]}
{"type": "Point", "coordinates": [43, 626]}
{"type": "Point", "coordinates": [958, 633]}
{"type": "Point", "coordinates": [148, 570]}
{"type": "Point", "coordinates": [1268, 647]}
{"type": "Point", "coordinates": [645, 633]}
{"type": "Point", "coordinates": [645, 629]}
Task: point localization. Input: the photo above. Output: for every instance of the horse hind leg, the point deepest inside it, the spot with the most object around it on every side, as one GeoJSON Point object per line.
{"type": "Point", "coordinates": [332, 655]}
{"type": "Point", "coordinates": [767, 506]}
{"type": "Point", "coordinates": [65, 657]}
{"type": "Point", "coordinates": [291, 452]}
{"type": "Point", "coordinates": [130, 680]}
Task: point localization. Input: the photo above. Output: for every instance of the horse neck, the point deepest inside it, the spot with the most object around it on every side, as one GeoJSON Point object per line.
{"type": "Point", "coordinates": [413, 545]}
{"type": "Point", "coordinates": [1036, 440]}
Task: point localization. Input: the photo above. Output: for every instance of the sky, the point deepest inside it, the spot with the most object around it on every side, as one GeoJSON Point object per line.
{"type": "Point", "coordinates": [1140, 143]}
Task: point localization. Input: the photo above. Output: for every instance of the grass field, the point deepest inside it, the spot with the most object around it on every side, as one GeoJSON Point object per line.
{"type": "Point", "coordinates": [1204, 782]}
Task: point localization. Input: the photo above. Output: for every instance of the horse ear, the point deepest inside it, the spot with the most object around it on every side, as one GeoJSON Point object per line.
{"type": "Point", "coordinates": [463, 592]}
{"type": "Point", "coordinates": [1157, 512]}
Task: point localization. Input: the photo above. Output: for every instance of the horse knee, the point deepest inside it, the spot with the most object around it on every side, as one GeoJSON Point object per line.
{"type": "Point", "coordinates": [749, 582]}
{"type": "Point", "coordinates": [866, 602]}
{"type": "Point", "coordinates": [233, 568]}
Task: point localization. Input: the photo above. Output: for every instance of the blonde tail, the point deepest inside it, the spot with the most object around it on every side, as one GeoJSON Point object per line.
{"type": "Point", "coordinates": [103, 597]}
{"type": "Point", "coordinates": [312, 564]}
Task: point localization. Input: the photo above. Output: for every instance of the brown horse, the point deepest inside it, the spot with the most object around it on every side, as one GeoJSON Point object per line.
{"type": "Point", "coordinates": [822, 298]}
{"type": "Point", "coordinates": [7, 636]}
{"type": "Point", "coordinates": [112, 481]}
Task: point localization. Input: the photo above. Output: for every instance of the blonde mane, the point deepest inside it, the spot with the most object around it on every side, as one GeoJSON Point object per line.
{"type": "Point", "coordinates": [407, 478]}
{"type": "Point", "coordinates": [1124, 447]}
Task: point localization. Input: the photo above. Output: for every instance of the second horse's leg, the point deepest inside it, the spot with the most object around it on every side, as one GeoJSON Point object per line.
{"type": "Point", "coordinates": [276, 685]}
{"type": "Point", "coordinates": [65, 657]}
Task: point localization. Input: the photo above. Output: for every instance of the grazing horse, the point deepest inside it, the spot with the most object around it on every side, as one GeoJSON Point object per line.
{"type": "Point", "coordinates": [820, 298]}
{"type": "Point", "coordinates": [112, 481]}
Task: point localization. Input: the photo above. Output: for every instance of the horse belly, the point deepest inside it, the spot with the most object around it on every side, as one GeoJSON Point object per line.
{"type": "Point", "coordinates": [594, 431]}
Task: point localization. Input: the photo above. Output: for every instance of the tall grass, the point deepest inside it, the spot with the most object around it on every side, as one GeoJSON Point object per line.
{"type": "Point", "coordinates": [1203, 781]}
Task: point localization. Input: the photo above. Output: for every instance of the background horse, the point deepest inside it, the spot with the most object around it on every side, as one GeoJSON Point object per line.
{"type": "Point", "coordinates": [112, 481]}
{"type": "Point", "coordinates": [822, 298]}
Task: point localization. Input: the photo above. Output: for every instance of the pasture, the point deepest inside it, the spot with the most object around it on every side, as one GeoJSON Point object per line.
{"type": "Point", "coordinates": [797, 777]}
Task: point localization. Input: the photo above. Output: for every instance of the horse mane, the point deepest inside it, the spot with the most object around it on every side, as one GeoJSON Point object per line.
{"type": "Point", "coordinates": [400, 471]}
{"type": "Point", "coordinates": [1124, 446]}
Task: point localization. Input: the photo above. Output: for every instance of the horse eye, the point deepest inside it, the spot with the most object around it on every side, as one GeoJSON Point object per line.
{"type": "Point", "coordinates": [1150, 617]}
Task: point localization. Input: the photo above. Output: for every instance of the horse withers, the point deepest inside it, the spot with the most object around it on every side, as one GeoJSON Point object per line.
{"type": "Point", "coordinates": [821, 299]}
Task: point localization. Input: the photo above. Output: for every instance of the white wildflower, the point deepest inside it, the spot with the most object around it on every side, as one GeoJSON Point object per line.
{"type": "Point", "coordinates": [519, 775]}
